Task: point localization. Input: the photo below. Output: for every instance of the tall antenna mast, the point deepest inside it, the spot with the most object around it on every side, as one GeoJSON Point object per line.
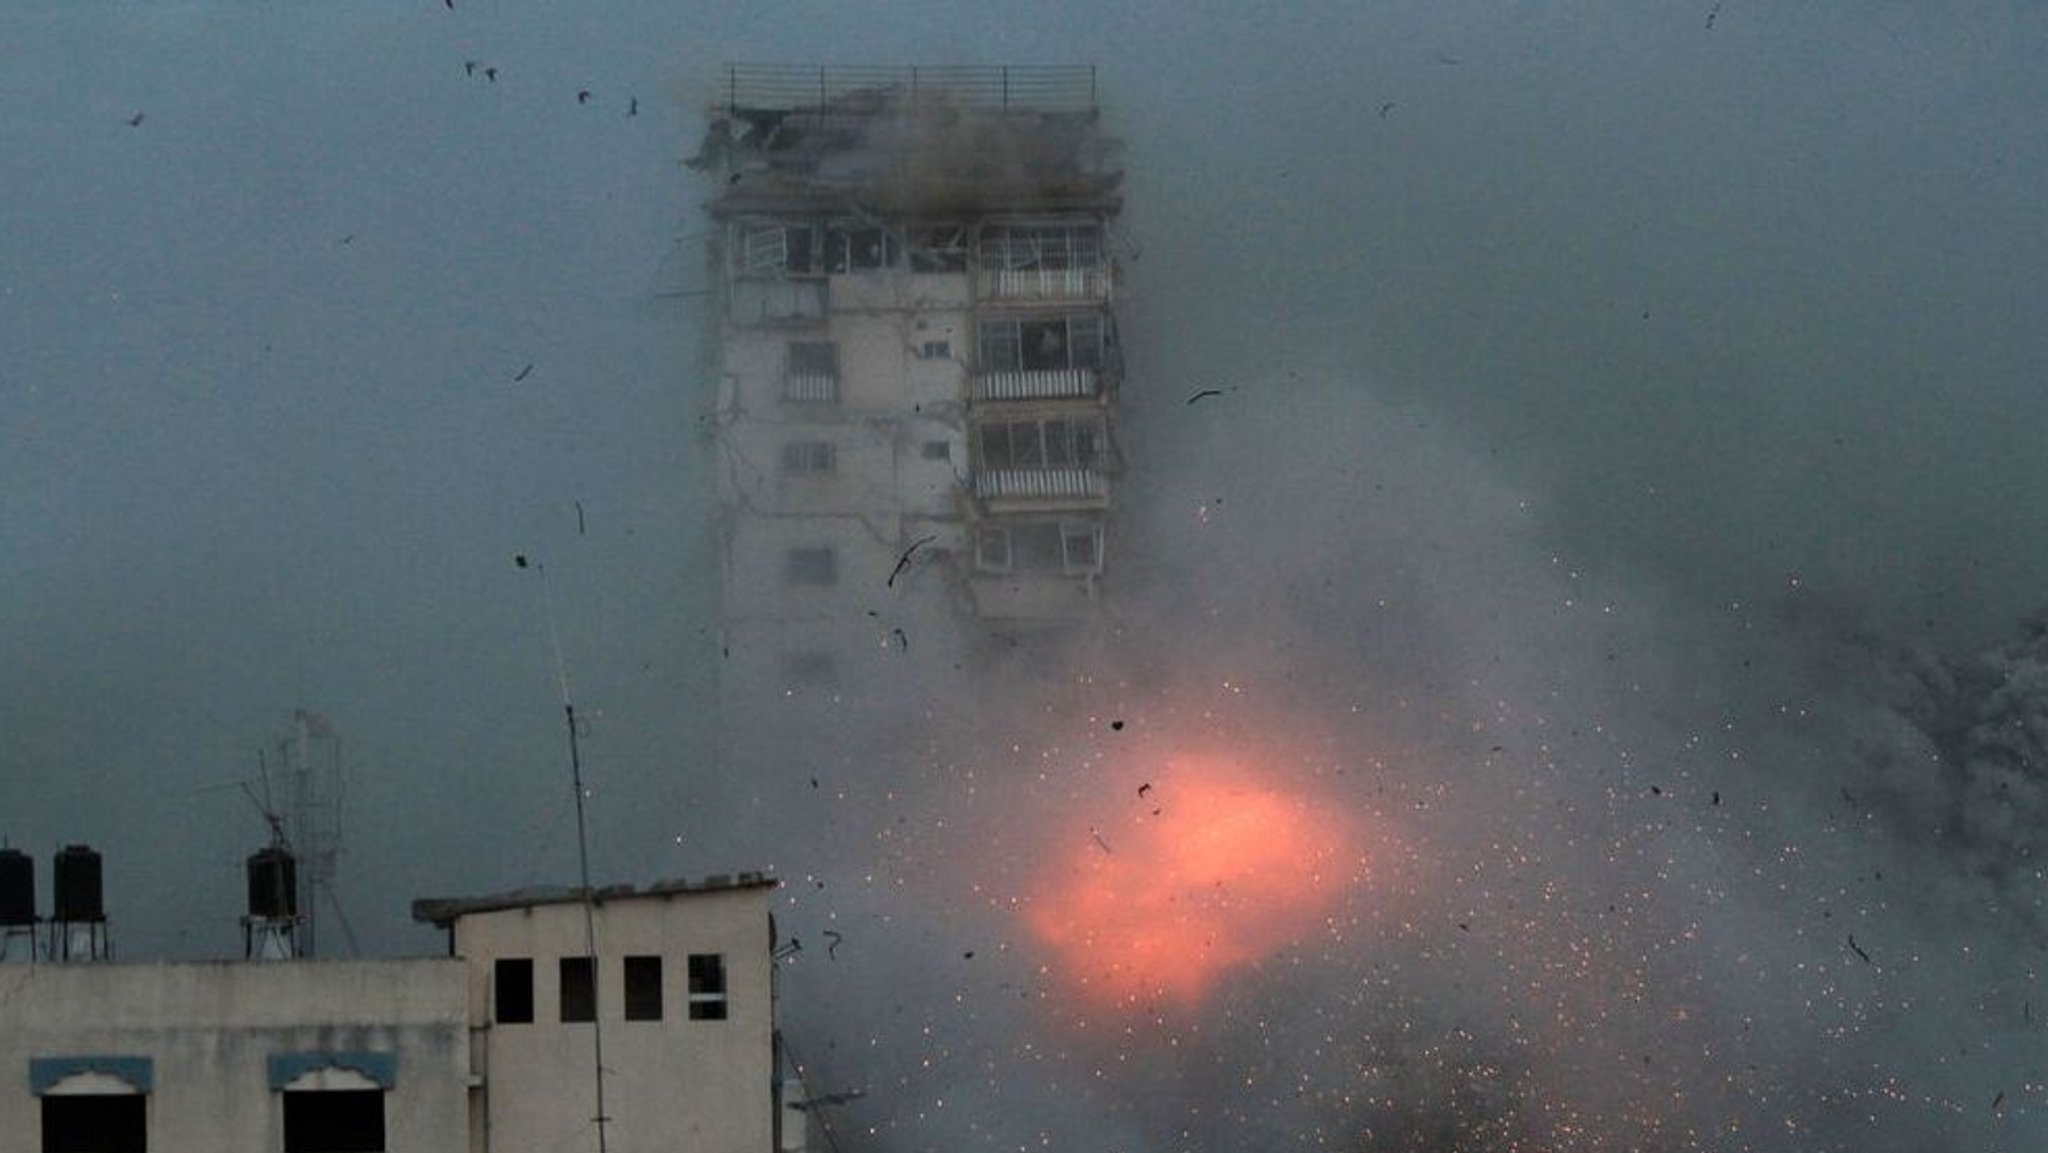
{"type": "Point", "coordinates": [582, 847]}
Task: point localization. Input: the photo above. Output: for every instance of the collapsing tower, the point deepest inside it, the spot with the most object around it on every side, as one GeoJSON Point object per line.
{"type": "Point", "coordinates": [918, 365]}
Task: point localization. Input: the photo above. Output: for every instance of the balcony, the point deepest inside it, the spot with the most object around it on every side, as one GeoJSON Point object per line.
{"type": "Point", "coordinates": [1045, 485]}
{"type": "Point", "coordinates": [1050, 384]}
{"type": "Point", "coordinates": [1044, 285]}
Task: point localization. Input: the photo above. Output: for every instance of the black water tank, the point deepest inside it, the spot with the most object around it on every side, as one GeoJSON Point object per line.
{"type": "Point", "coordinates": [78, 885]}
{"type": "Point", "coordinates": [273, 884]}
{"type": "Point", "coordinates": [17, 888]}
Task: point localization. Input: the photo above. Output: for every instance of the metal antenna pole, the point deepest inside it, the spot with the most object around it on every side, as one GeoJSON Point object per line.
{"type": "Point", "coordinates": [582, 858]}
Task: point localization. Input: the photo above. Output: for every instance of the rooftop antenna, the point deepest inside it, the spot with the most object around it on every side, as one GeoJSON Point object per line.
{"type": "Point", "coordinates": [582, 840]}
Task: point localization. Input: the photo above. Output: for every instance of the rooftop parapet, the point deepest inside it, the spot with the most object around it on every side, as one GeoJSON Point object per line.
{"type": "Point", "coordinates": [851, 89]}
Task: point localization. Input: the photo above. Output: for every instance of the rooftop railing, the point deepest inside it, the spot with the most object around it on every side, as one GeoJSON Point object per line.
{"type": "Point", "coordinates": [841, 88]}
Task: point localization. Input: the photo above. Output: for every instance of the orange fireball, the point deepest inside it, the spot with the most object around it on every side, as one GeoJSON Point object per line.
{"type": "Point", "coordinates": [1210, 869]}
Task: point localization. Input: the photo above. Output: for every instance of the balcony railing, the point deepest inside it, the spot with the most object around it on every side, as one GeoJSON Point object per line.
{"type": "Point", "coordinates": [1048, 284]}
{"type": "Point", "coordinates": [810, 387]}
{"type": "Point", "coordinates": [1056, 384]}
{"type": "Point", "coordinates": [1063, 484]}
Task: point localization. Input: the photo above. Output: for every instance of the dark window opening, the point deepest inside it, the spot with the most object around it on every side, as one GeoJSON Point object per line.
{"type": "Point", "coordinates": [938, 450]}
{"type": "Point", "coordinates": [96, 1123]}
{"type": "Point", "coordinates": [579, 989]}
{"type": "Point", "coordinates": [1042, 344]}
{"type": "Point", "coordinates": [512, 990]}
{"type": "Point", "coordinates": [643, 988]}
{"type": "Point", "coordinates": [707, 986]}
{"type": "Point", "coordinates": [859, 250]}
{"type": "Point", "coordinates": [1054, 443]}
{"type": "Point", "coordinates": [334, 1121]}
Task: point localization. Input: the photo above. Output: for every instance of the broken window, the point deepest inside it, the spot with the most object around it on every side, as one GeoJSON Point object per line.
{"type": "Point", "coordinates": [643, 988]}
{"type": "Point", "coordinates": [95, 1123]}
{"type": "Point", "coordinates": [815, 566]}
{"type": "Point", "coordinates": [334, 1121]}
{"type": "Point", "coordinates": [512, 990]}
{"type": "Point", "coordinates": [777, 249]}
{"type": "Point", "coordinates": [578, 989]}
{"type": "Point", "coordinates": [1041, 344]}
{"type": "Point", "coordinates": [707, 986]}
{"type": "Point", "coordinates": [1050, 442]}
{"type": "Point", "coordinates": [809, 457]}
{"type": "Point", "coordinates": [859, 250]}
{"type": "Point", "coordinates": [939, 248]}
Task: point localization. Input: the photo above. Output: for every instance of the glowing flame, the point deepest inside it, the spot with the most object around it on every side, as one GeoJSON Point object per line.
{"type": "Point", "coordinates": [1211, 870]}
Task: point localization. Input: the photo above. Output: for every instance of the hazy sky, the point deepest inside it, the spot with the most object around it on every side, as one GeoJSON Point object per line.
{"type": "Point", "coordinates": [1632, 372]}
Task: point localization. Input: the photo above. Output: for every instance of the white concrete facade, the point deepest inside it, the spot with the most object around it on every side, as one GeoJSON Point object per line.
{"type": "Point", "coordinates": [215, 1049]}
{"type": "Point", "coordinates": [434, 1055]}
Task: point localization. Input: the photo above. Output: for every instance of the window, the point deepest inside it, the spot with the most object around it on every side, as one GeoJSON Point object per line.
{"type": "Point", "coordinates": [1053, 442]}
{"type": "Point", "coordinates": [813, 371]}
{"type": "Point", "coordinates": [814, 567]}
{"type": "Point", "coordinates": [95, 1123]}
{"type": "Point", "coordinates": [939, 248]}
{"type": "Point", "coordinates": [809, 457]}
{"type": "Point", "coordinates": [1041, 344]}
{"type": "Point", "coordinates": [938, 450]}
{"type": "Point", "coordinates": [643, 988]}
{"type": "Point", "coordinates": [92, 1104]}
{"type": "Point", "coordinates": [512, 990]}
{"type": "Point", "coordinates": [778, 249]}
{"type": "Point", "coordinates": [334, 1121]}
{"type": "Point", "coordinates": [707, 986]}
{"type": "Point", "coordinates": [935, 350]}
{"type": "Point", "coordinates": [1072, 547]}
{"type": "Point", "coordinates": [579, 989]}
{"type": "Point", "coordinates": [859, 250]}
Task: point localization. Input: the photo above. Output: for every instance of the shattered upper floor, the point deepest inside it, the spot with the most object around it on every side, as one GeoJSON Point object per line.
{"type": "Point", "coordinates": [910, 143]}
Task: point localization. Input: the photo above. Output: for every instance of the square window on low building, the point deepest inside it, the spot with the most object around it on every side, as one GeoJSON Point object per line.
{"type": "Point", "coordinates": [936, 350]}
{"type": "Point", "coordinates": [938, 450]}
{"type": "Point", "coordinates": [643, 988]}
{"type": "Point", "coordinates": [96, 1104]}
{"type": "Point", "coordinates": [512, 990]}
{"type": "Point", "coordinates": [334, 1121]}
{"type": "Point", "coordinates": [95, 1123]}
{"type": "Point", "coordinates": [707, 986]}
{"type": "Point", "coordinates": [578, 989]}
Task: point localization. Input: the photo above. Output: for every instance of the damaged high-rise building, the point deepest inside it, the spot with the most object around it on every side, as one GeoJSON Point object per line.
{"type": "Point", "coordinates": [916, 381]}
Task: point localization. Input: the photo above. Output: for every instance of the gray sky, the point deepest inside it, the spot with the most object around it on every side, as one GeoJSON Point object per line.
{"type": "Point", "coordinates": [1622, 364]}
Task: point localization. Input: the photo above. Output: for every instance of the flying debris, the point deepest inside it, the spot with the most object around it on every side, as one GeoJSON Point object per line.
{"type": "Point", "coordinates": [1205, 394]}
{"type": "Point", "coordinates": [583, 96]}
{"type": "Point", "coordinates": [579, 518]}
{"type": "Point", "coordinates": [903, 562]}
{"type": "Point", "coordinates": [469, 67]}
{"type": "Point", "coordinates": [519, 559]}
{"type": "Point", "coordinates": [1858, 949]}
{"type": "Point", "coordinates": [491, 74]}
{"type": "Point", "coordinates": [1387, 107]}
{"type": "Point", "coordinates": [1711, 13]}
{"type": "Point", "coordinates": [135, 121]}
{"type": "Point", "coordinates": [1116, 726]}
{"type": "Point", "coordinates": [523, 373]}
{"type": "Point", "coordinates": [902, 639]}
{"type": "Point", "coordinates": [633, 106]}
{"type": "Point", "coordinates": [832, 939]}
{"type": "Point", "coordinates": [1145, 788]}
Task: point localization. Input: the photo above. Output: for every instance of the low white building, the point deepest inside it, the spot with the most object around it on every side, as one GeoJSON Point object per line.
{"type": "Point", "coordinates": [494, 1049]}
